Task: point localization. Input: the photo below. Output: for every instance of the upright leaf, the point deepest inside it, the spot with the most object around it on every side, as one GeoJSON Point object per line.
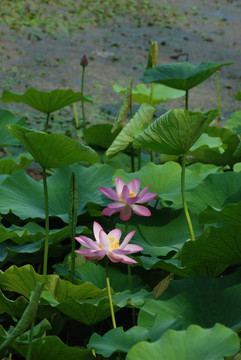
{"type": "Point", "coordinates": [44, 101]}
{"type": "Point", "coordinates": [141, 119]}
{"type": "Point", "coordinates": [53, 150]}
{"type": "Point", "coordinates": [125, 107]}
{"type": "Point", "coordinates": [175, 132]}
{"type": "Point", "coordinates": [181, 75]}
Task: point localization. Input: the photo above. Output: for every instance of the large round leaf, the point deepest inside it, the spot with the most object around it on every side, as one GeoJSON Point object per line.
{"type": "Point", "coordinates": [181, 75]}
{"type": "Point", "coordinates": [140, 120]}
{"type": "Point", "coordinates": [197, 300]}
{"type": "Point", "coordinates": [230, 214]}
{"type": "Point", "coordinates": [53, 150]}
{"type": "Point", "coordinates": [220, 245]}
{"type": "Point", "coordinates": [175, 132]}
{"type": "Point", "coordinates": [24, 196]}
{"type": "Point", "coordinates": [44, 101]}
{"type": "Point", "coordinates": [194, 343]}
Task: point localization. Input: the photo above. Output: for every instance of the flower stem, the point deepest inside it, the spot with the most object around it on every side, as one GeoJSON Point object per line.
{"type": "Point", "coordinates": [82, 101]}
{"type": "Point", "coordinates": [133, 314]}
{"type": "Point", "coordinates": [47, 122]}
{"type": "Point", "coordinates": [46, 243]}
{"type": "Point", "coordinates": [109, 295]}
{"type": "Point", "coordinates": [189, 222]}
{"type": "Point", "coordinates": [219, 98]}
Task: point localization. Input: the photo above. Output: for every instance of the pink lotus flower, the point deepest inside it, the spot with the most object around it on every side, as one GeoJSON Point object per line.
{"type": "Point", "coordinates": [125, 199]}
{"type": "Point", "coordinates": [108, 244]}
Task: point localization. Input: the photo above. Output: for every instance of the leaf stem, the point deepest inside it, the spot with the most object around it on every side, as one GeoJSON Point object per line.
{"type": "Point", "coordinates": [133, 314]}
{"type": "Point", "coordinates": [109, 294]}
{"type": "Point", "coordinates": [189, 222]}
{"type": "Point", "coordinates": [186, 100]}
{"type": "Point", "coordinates": [47, 122]}
{"type": "Point", "coordinates": [46, 243]}
{"type": "Point", "coordinates": [30, 343]}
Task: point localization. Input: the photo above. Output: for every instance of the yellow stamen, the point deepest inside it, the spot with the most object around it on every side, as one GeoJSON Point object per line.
{"type": "Point", "coordinates": [132, 194]}
{"type": "Point", "coordinates": [114, 244]}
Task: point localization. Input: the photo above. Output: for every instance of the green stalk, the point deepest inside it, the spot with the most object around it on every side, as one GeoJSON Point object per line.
{"type": "Point", "coordinates": [151, 97]}
{"type": "Point", "coordinates": [46, 243]}
{"type": "Point", "coordinates": [132, 149]}
{"type": "Point", "coordinates": [133, 314]}
{"type": "Point", "coordinates": [189, 222]}
{"type": "Point", "coordinates": [219, 98]}
{"type": "Point", "coordinates": [28, 357]}
{"type": "Point", "coordinates": [47, 123]}
{"type": "Point", "coordinates": [82, 100]}
{"type": "Point", "coordinates": [109, 295]}
{"type": "Point", "coordinates": [186, 100]}
{"type": "Point", "coordinates": [139, 159]}
{"type": "Point", "coordinates": [73, 214]}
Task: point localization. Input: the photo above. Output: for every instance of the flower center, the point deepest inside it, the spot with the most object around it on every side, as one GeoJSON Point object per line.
{"type": "Point", "coordinates": [114, 244]}
{"type": "Point", "coordinates": [132, 195]}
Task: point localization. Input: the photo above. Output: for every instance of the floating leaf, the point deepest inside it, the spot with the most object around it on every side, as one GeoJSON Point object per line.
{"type": "Point", "coordinates": [208, 142]}
{"type": "Point", "coordinates": [44, 101]}
{"type": "Point", "coordinates": [53, 150]}
{"type": "Point", "coordinates": [175, 132]}
{"type": "Point", "coordinates": [142, 94]}
{"type": "Point", "coordinates": [125, 107]}
{"type": "Point", "coordinates": [193, 343]}
{"type": "Point", "coordinates": [140, 120]}
{"type": "Point", "coordinates": [181, 75]}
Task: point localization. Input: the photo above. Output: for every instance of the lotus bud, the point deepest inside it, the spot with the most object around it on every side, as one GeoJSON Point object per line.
{"type": "Point", "coordinates": [153, 55]}
{"type": "Point", "coordinates": [84, 61]}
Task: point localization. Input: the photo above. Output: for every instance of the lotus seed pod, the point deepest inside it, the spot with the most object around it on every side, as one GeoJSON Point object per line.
{"type": "Point", "coordinates": [84, 61]}
{"type": "Point", "coordinates": [153, 55]}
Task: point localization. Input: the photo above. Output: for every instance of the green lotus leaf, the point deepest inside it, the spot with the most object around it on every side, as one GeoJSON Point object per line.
{"type": "Point", "coordinates": [166, 179]}
{"type": "Point", "coordinates": [24, 196]}
{"type": "Point", "coordinates": [229, 214]}
{"type": "Point", "coordinates": [181, 75]}
{"type": "Point", "coordinates": [142, 94]}
{"type": "Point", "coordinates": [164, 232]}
{"type": "Point", "coordinates": [14, 308]}
{"type": "Point", "coordinates": [140, 120]}
{"type": "Point", "coordinates": [194, 343]}
{"type": "Point", "coordinates": [53, 150]}
{"type": "Point", "coordinates": [234, 122]}
{"type": "Point", "coordinates": [216, 191]}
{"type": "Point", "coordinates": [44, 101]}
{"type": "Point", "coordinates": [125, 107]}
{"type": "Point", "coordinates": [238, 150]}
{"type": "Point", "coordinates": [210, 156]}
{"type": "Point", "coordinates": [23, 280]}
{"type": "Point", "coordinates": [220, 245]}
{"type": "Point", "coordinates": [10, 166]}
{"type": "Point", "coordinates": [7, 118]}
{"type": "Point", "coordinates": [51, 348]}
{"type": "Point", "coordinates": [175, 132]}
{"type": "Point", "coordinates": [100, 135]}
{"type": "Point", "coordinates": [208, 142]}
{"type": "Point", "coordinates": [238, 95]}
{"type": "Point", "coordinates": [188, 300]}
{"type": "Point", "coordinates": [237, 167]}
